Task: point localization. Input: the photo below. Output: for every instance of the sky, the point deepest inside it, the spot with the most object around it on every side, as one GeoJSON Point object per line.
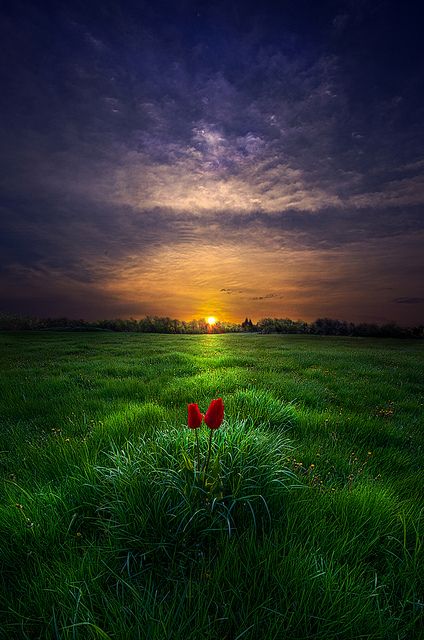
{"type": "Point", "coordinates": [188, 159]}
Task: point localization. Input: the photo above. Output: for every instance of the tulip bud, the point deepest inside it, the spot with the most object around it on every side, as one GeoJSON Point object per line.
{"type": "Point", "coordinates": [194, 416]}
{"type": "Point", "coordinates": [215, 414]}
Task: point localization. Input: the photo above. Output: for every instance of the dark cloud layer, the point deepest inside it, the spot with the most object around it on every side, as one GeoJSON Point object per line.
{"type": "Point", "coordinates": [147, 142]}
{"type": "Point", "coordinates": [409, 300]}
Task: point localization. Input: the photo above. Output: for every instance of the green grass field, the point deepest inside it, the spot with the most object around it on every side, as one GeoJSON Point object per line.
{"type": "Point", "coordinates": [313, 528]}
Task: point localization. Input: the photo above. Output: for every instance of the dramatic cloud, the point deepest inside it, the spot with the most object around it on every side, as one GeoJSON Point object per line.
{"type": "Point", "coordinates": [182, 159]}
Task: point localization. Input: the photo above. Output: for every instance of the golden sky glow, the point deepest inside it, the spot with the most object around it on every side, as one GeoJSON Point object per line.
{"type": "Point", "coordinates": [250, 278]}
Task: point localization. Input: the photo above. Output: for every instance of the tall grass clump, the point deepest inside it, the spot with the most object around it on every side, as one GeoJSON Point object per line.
{"type": "Point", "coordinates": [154, 496]}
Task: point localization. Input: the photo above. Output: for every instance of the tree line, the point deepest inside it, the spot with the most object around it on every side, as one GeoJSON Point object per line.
{"type": "Point", "coordinates": [164, 324]}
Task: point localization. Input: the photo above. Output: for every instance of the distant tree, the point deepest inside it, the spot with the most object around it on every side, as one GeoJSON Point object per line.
{"type": "Point", "coordinates": [247, 325]}
{"type": "Point", "coordinates": [282, 325]}
{"type": "Point", "coordinates": [165, 324]}
{"type": "Point", "coordinates": [330, 327]}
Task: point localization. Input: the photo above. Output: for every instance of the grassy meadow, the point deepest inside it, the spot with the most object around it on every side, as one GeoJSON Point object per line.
{"type": "Point", "coordinates": [313, 527]}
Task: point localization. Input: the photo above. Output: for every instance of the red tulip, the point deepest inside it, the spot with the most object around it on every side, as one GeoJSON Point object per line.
{"type": "Point", "coordinates": [215, 414]}
{"type": "Point", "coordinates": [194, 416]}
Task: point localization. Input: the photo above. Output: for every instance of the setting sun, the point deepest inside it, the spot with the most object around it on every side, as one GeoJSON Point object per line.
{"type": "Point", "coordinates": [211, 320]}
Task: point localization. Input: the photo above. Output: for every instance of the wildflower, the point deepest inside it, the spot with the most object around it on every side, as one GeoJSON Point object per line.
{"type": "Point", "coordinates": [215, 414]}
{"type": "Point", "coordinates": [194, 416]}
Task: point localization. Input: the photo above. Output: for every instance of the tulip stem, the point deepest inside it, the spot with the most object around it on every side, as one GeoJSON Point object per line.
{"type": "Point", "coordinates": [209, 452]}
{"type": "Point", "coordinates": [198, 454]}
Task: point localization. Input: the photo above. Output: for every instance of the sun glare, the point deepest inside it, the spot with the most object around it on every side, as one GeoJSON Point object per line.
{"type": "Point", "coordinates": [211, 320]}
